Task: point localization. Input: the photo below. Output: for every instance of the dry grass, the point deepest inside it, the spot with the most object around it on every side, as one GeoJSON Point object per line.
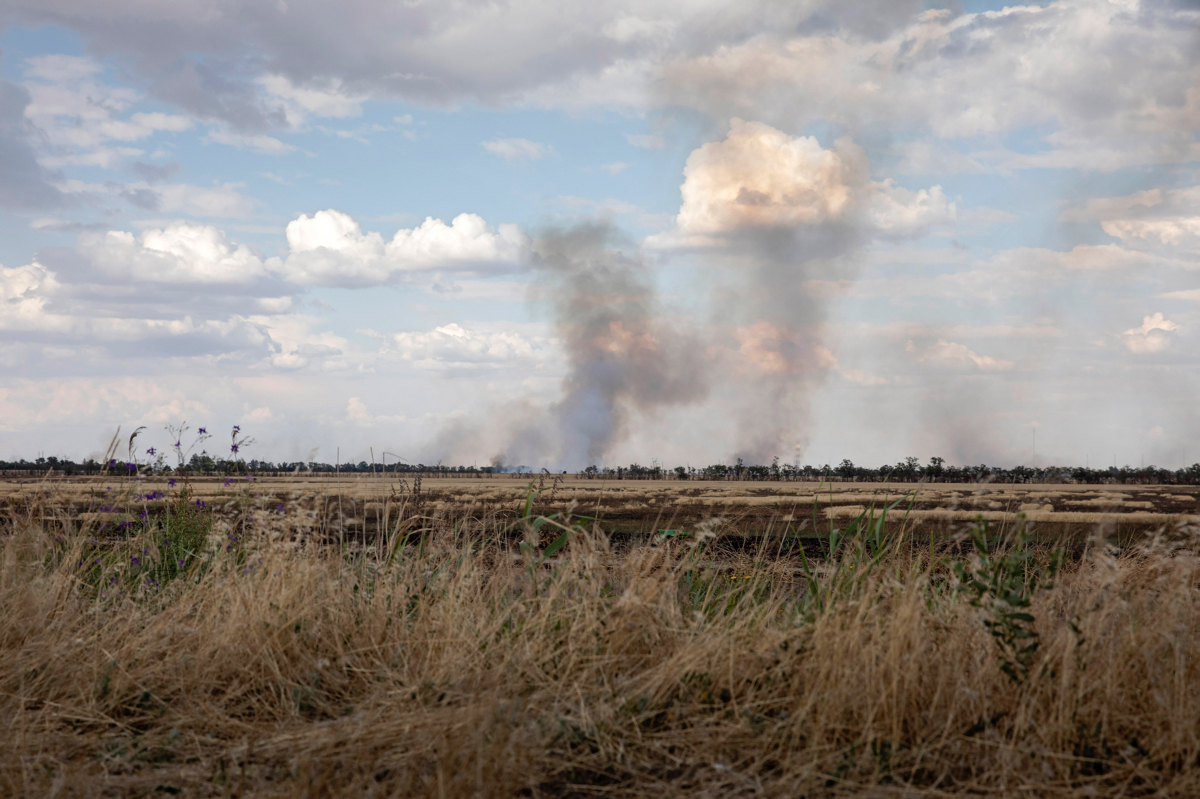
{"type": "Point", "coordinates": [456, 668]}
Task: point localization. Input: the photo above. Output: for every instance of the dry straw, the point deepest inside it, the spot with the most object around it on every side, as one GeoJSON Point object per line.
{"type": "Point", "coordinates": [447, 660]}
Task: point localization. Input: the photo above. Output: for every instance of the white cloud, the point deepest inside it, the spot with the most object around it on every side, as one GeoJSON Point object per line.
{"type": "Point", "coordinates": [760, 177]}
{"type": "Point", "coordinates": [323, 101]}
{"type": "Point", "coordinates": [1151, 336]}
{"type": "Point", "coordinates": [615, 168]}
{"type": "Point", "coordinates": [24, 291]}
{"type": "Point", "coordinates": [896, 211]}
{"type": "Point", "coordinates": [1113, 256]}
{"type": "Point", "coordinates": [357, 412]}
{"type": "Point", "coordinates": [221, 201]}
{"type": "Point", "coordinates": [1165, 219]}
{"type": "Point", "coordinates": [77, 115]}
{"type": "Point", "coordinates": [1186, 294]}
{"type": "Point", "coordinates": [181, 253]}
{"type": "Point", "coordinates": [330, 248]}
{"type": "Point", "coordinates": [260, 142]}
{"type": "Point", "coordinates": [515, 149]}
{"type": "Point", "coordinates": [452, 346]}
{"type": "Point", "coordinates": [952, 354]}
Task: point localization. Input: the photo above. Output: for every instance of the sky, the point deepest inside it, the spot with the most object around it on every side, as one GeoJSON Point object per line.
{"type": "Point", "coordinates": [557, 235]}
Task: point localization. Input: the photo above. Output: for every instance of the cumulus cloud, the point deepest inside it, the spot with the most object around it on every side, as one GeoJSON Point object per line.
{"type": "Point", "coordinates": [1151, 337]}
{"type": "Point", "coordinates": [330, 248]}
{"type": "Point", "coordinates": [180, 291]}
{"type": "Point", "coordinates": [181, 253]}
{"type": "Point", "coordinates": [760, 177]}
{"type": "Point", "coordinates": [48, 312]}
{"type": "Point", "coordinates": [515, 149]}
{"type": "Point", "coordinates": [453, 346]}
{"type": "Point", "coordinates": [24, 291]}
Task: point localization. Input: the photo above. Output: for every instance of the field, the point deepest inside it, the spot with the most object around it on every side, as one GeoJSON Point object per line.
{"type": "Point", "coordinates": [361, 508]}
{"type": "Point", "coordinates": [295, 637]}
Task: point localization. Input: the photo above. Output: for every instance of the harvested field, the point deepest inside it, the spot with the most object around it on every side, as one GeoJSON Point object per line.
{"type": "Point", "coordinates": [361, 508]}
{"type": "Point", "coordinates": [228, 646]}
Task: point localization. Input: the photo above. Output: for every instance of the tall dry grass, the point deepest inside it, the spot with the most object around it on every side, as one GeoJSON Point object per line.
{"type": "Point", "coordinates": [460, 667]}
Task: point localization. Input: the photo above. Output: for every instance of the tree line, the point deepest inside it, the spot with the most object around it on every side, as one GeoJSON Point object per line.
{"type": "Point", "coordinates": [908, 470]}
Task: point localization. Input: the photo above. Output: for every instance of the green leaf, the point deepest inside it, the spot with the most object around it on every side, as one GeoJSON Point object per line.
{"type": "Point", "coordinates": [556, 544]}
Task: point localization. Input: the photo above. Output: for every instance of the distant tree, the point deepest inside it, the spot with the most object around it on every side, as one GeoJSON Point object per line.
{"type": "Point", "coordinates": [936, 467]}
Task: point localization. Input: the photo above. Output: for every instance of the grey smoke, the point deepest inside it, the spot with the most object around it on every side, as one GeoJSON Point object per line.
{"type": "Point", "coordinates": [769, 292]}
{"type": "Point", "coordinates": [624, 355]}
{"type": "Point", "coordinates": [627, 356]}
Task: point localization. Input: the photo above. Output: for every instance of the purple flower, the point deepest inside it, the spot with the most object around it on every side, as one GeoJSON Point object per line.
{"type": "Point", "coordinates": [199, 503]}
{"type": "Point", "coordinates": [131, 466]}
{"type": "Point", "coordinates": [134, 561]}
{"type": "Point", "coordinates": [152, 451]}
{"type": "Point", "coordinates": [112, 464]}
{"type": "Point", "coordinates": [181, 563]}
{"type": "Point", "coordinates": [202, 431]}
{"type": "Point", "coordinates": [234, 449]}
{"type": "Point", "coordinates": [177, 443]}
{"type": "Point", "coordinates": [279, 509]}
{"type": "Point", "coordinates": [172, 482]}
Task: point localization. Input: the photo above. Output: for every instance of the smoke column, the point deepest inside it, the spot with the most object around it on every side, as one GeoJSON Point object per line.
{"type": "Point", "coordinates": [622, 353]}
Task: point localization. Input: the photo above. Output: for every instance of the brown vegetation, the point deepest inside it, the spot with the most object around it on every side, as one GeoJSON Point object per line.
{"type": "Point", "coordinates": [444, 659]}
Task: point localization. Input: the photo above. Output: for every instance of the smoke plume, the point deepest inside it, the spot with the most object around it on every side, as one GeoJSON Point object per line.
{"type": "Point", "coordinates": [779, 215]}
{"type": "Point", "coordinates": [776, 219]}
{"type": "Point", "coordinates": [623, 354]}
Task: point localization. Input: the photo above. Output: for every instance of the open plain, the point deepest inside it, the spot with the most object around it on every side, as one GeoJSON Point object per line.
{"type": "Point", "coordinates": [556, 636]}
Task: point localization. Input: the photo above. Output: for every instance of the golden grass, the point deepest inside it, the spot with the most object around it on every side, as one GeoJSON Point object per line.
{"type": "Point", "coordinates": [455, 668]}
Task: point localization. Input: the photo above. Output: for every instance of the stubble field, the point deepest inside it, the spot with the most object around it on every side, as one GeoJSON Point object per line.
{"type": "Point", "coordinates": [474, 637]}
{"type": "Point", "coordinates": [358, 508]}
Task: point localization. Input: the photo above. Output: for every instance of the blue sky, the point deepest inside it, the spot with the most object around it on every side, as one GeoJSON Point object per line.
{"type": "Point", "coordinates": [693, 231]}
